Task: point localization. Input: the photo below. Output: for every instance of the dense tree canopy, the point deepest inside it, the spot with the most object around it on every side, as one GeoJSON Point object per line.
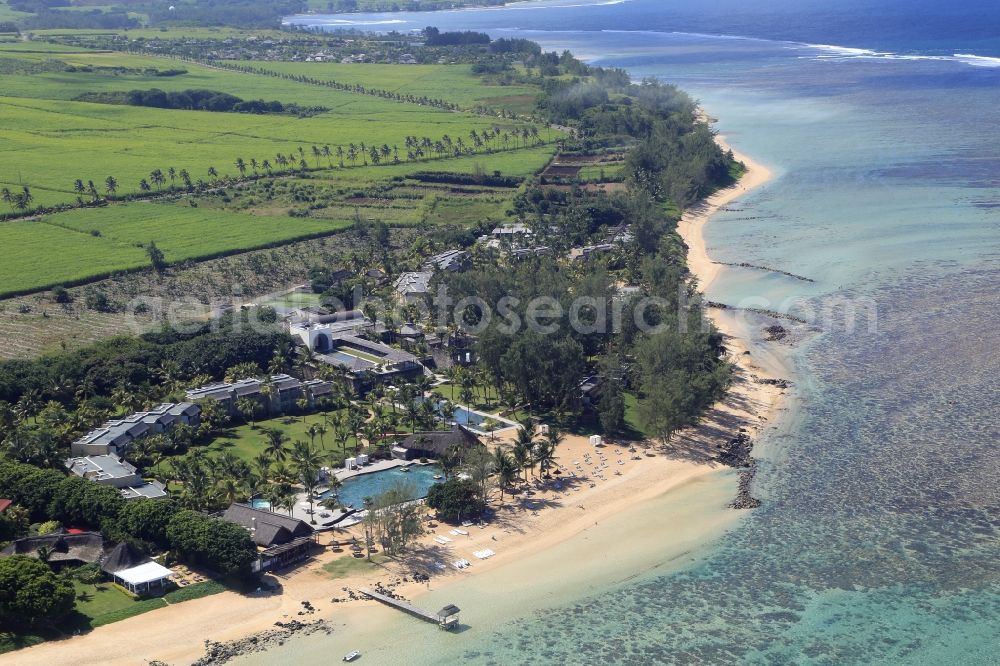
{"type": "Point", "coordinates": [30, 592]}
{"type": "Point", "coordinates": [222, 546]}
{"type": "Point", "coordinates": [456, 499]}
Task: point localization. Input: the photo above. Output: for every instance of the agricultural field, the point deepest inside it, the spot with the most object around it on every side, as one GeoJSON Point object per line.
{"type": "Point", "coordinates": [8, 14]}
{"type": "Point", "coordinates": [93, 242]}
{"type": "Point", "coordinates": [456, 83]}
{"type": "Point", "coordinates": [48, 140]}
{"type": "Point", "coordinates": [38, 129]}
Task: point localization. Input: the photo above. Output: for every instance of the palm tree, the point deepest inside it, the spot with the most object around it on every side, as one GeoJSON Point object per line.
{"type": "Point", "coordinates": [506, 469]}
{"type": "Point", "coordinates": [230, 491]}
{"type": "Point", "coordinates": [241, 166]}
{"type": "Point", "coordinates": [467, 396]}
{"type": "Point", "coordinates": [111, 185]}
{"type": "Point", "coordinates": [287, 502]}
{"type": "Point", "coordinates": [247, 407]}
{"type": "Point", "coordinates": [307, 477]}
{"type": "Point", "coordinates": [334, 484]}
{"type": "Point", "coordinates": [305, 455]}
{"type": "Point", "coordinates": [544, 455]}
{"type": "Point", "coordinates": [212, 173]}
{"type": "Point", "coordinates": [275, 444]}
{"type": "Point", "coordinates": [521, 455]}
{"type": "Point", "coordinates": [312, 431]}
{"type": "Point", "coordinates": [413, 413]}
{"type": "Point", "coordinates": [262, 462]}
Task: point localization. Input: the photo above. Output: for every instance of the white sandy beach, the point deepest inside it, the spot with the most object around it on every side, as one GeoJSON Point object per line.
{"type": "Point", "coordinates": [653, 516]}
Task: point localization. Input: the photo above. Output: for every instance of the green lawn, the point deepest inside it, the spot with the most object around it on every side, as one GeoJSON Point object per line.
{"type": "Point", "coordinates": [246, 443]}
{"type": "Point", "coordinates": [196, 591]}
{"type": "Point", "coordinates": [106, 603]}
{"type": "Point", "coordinates": [445, 391]}
{"type": "Point", "coordinates": [632, 420]}
{"type": "Point", "coordinates": [348, 565]}
{"type": "Point", "coordinates": [10, 641]}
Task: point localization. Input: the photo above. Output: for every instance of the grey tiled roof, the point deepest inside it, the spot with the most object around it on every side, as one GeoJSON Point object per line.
{"type": "Point", "coordinates": [413, 282]}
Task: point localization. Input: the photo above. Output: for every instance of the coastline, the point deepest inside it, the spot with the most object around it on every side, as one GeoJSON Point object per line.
{"type": "Point", "coordinates": [655, 516]}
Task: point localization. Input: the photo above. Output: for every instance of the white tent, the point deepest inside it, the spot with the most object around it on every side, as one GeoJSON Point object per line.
{"type": "Point", "coordinates": [143, 578]}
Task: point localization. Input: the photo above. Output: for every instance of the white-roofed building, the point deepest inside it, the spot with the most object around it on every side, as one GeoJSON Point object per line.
{"type": "Point", "coordinates": [144, 578]}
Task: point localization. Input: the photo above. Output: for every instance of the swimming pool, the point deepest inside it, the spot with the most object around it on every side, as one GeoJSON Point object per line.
{"type": "Point", "coordinates": [357, 488]}
{"type": "Point", "coordinates": [470, 419]}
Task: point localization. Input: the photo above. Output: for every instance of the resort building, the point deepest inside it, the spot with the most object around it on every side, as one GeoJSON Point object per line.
{"type": "Point", "coordinates": [452, 261]}
{"type": "Point", "coordinates": [530, 252]}
{"type": "Point", "coordinates": [367, 363]}
{"type": "Point", "coordinates": [282, 540]}
{"type": "Point", "coordinates": [509, 231]}
{"type": "Point", "coordinates": [434, 444]}
{"type": "Point", "coordinates": [114, 437]}
{"type": "Point", "coordinates": [319, 332]}
{"type": "Point", "coordinates": [112, 471]}
{"type": "Point", "coordinates": [61, 549]}
{"type": "Point", "coordinates": [590, 251]}
{"type": "Point", "coordinates": [413, 287]}
{"type": "Point", "coordinates": [284, 392]}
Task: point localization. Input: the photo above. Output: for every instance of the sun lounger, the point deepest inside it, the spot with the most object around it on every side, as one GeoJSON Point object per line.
{"type": "Point", "coordinates": [442, 540]}
{"type": "Point", "coordinates": [455, 532]}
{"type": "Point", "coordinates": [467, 523]}
{"type": "Point", "coordinates": [484, 554]}
{"type": "Point", "coordinates": [458, 531]}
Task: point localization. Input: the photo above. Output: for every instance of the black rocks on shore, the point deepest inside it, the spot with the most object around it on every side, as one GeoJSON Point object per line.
{"type": "Point", "coordinates": [744, 500]}
{"type": "Point", "coordinates": [775, 333]}
{"type": "Point", "coordinates": [780, 383]}
{"type": "Point", "coordinates": [221, 653]}
{"type": "Point", "coordinates": [736, 453]}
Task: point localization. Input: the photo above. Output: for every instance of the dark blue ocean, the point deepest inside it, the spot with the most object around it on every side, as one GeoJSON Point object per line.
{"type": "Point", "coordinates": [878, 541]}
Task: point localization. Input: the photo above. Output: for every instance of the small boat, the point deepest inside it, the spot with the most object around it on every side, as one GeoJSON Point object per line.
{"type": "Point", "coordinates": [351, 656]}
{"type": "Point", "coordinates": [404, 469]}
{"type": "Point", "coordinates": [438, 477]}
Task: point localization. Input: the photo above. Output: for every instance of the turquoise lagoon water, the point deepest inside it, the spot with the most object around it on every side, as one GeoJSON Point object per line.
{"type": "Point", "coordinates": [355, 489]}
{"type": "Point", "coordinates": [878, 540]}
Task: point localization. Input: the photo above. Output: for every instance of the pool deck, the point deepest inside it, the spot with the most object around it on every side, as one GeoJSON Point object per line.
{"type": "Point", "coordinates": [302, 503]}
{"type": "Point", "coordinates": [377, 466]}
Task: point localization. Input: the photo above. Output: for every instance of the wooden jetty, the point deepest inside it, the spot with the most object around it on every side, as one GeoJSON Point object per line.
{"type": "Point", "coordinates": [446, 618]}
